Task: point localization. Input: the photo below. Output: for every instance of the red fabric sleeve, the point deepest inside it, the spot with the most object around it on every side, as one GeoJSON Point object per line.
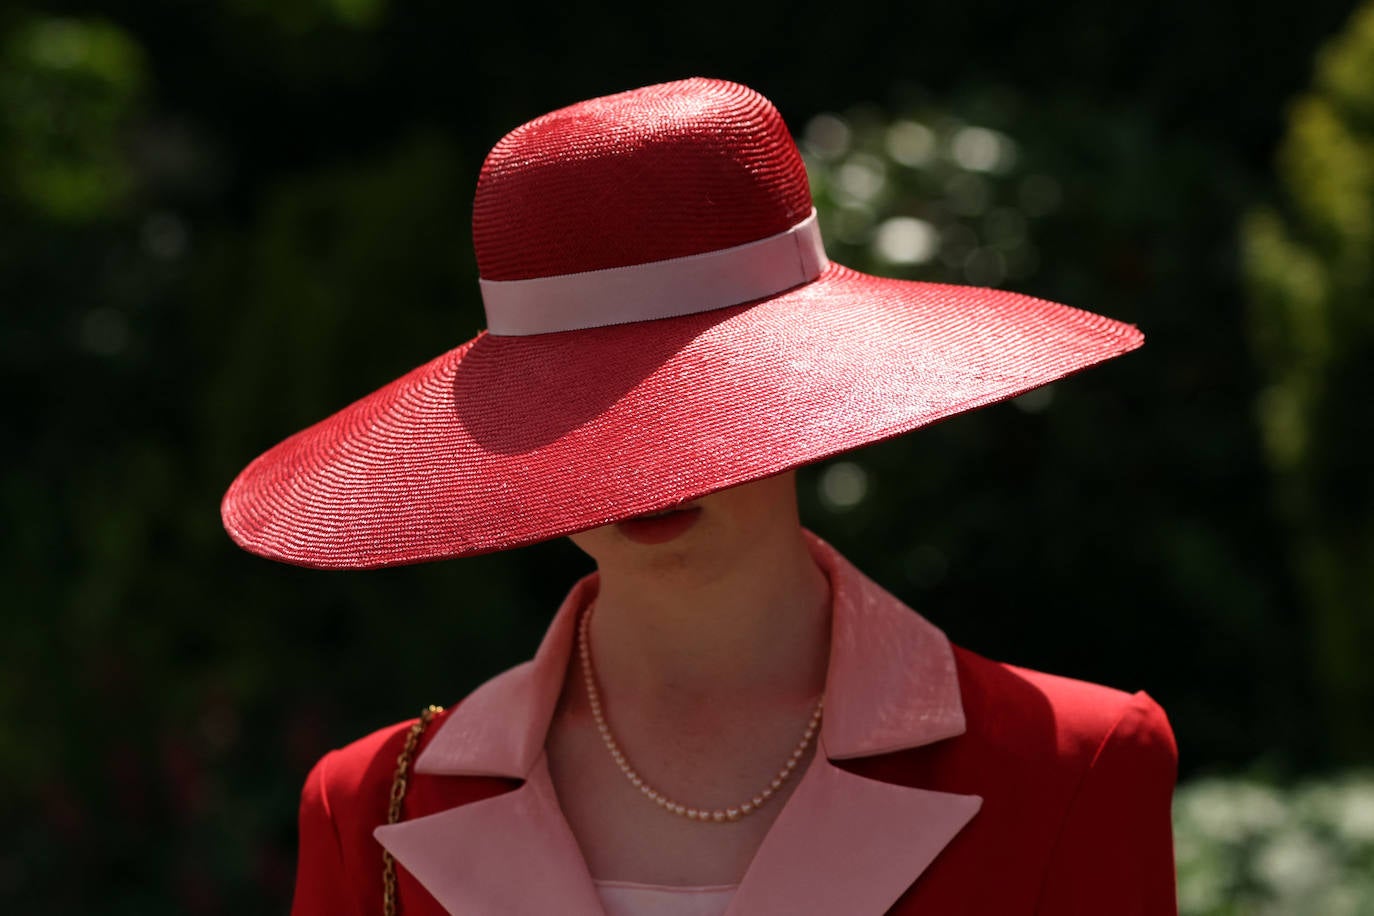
{"type": "Point", "coordinates": [1115, 849]}
{"type": "Point", "coordinates": [321, 889]}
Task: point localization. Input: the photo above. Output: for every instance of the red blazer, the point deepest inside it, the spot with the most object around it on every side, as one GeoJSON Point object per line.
{"type": "Point", "coordinates": [949, 784]}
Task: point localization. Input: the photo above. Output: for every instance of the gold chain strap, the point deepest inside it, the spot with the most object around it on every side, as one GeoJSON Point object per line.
{"type": "Point", "coordinates": [398, 794]}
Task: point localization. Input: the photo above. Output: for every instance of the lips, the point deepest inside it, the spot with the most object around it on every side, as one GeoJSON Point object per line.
{"type": "Point", "coordinates": [661, 526]}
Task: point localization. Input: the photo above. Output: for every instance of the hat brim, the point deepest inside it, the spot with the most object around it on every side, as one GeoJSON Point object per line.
{"type": "Point", "coordinates": [506, 441]}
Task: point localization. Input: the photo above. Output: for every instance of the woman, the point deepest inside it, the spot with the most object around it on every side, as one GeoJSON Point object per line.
{"type": "Point", "coordinates": [727, 717]}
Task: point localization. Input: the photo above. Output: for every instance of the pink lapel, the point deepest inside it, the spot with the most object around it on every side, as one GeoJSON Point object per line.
{"type": "Point", "coordinates": [846, 844]}
{"type": "Point", "coordinates": [476, 859]}
{"type": "Point", "coordinates": [891, 685]}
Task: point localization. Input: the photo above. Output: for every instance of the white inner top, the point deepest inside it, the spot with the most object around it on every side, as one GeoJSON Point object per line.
{"type": "Point", "coordinates": [626, 898]}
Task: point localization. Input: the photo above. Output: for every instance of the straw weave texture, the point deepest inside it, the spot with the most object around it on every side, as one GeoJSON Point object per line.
{"type": "Point", "coordinates": [657, 173]}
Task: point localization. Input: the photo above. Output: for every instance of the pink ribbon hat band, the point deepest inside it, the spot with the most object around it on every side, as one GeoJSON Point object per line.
{"type": "Point", "coordinates": [660, 289]}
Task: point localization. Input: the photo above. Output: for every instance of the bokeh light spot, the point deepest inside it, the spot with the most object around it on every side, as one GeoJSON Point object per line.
{"type": "Point", "coordinates": [906, 240]}
{"type": "Point", "coordinates": [982, 150]}
{"type": "Point", "coordinates": [861, 178]}
{"type": "Point", "coordinates": [910, 143]}
{"type": "Point", "coordinates": [827, 136]}
{"type": "Point", "coordinates": [843, 486]}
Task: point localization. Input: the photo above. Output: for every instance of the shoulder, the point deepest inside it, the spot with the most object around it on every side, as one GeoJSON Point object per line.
{"type": "Point", "coordinates": [1075, 781]}
{"type": "Point", "coordinates": [346, 795]}
{"type": "Point", "coordinates": [354, 781]}
{"type": "Point", "coordinates": [1089, 770]}
{"type": "Point", "coordinates": [1045, 718]}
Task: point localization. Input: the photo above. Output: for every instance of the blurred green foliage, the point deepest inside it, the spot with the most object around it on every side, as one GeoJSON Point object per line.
{"type": "Point", "coordinates": [68, 88]}
{"type": "Point", "coordinates": [1246, 847]}
{"type": "Point", "coordinates": [219, 222]}
{"type": "Point", "coordinates": [1310, 272]}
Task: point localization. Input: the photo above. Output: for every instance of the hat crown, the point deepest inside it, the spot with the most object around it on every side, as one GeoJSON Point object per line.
{"type": "Point", "coordinates": [666, 171]}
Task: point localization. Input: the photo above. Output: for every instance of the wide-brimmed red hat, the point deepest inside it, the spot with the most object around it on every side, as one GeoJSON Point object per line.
{"type": "Point", "coordinates": [662, 323]}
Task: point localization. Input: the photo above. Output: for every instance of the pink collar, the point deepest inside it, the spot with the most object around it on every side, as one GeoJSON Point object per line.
{"type": "Point", "coordinates": [891, 685]}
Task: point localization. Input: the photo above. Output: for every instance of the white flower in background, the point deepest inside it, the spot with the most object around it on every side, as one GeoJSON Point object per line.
{"type": "Point", "coordinates": [1231, 810]}
{"type": "Point", "coordinates": [1294, 864]}
{"type": "Point", "coordinates": [1245, 848]}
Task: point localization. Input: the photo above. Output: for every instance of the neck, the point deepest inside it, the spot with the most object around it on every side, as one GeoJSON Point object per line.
{"type": "Point", "coordinates": [728, 622]}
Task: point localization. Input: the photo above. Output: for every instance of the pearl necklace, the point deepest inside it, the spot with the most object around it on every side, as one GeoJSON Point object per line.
{"type": "Point", "coordinates": [718, 815]}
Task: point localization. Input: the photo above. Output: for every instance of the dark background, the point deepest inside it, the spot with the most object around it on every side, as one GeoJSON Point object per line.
{"type": "Point", "coordinates": [221, 221]}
